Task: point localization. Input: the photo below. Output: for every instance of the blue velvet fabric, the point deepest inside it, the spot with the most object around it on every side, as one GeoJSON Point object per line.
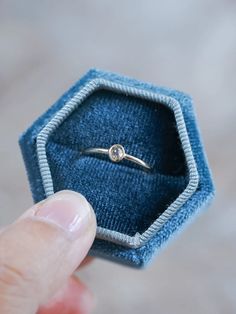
{"type": "Point", "coordinates": [125, 198]}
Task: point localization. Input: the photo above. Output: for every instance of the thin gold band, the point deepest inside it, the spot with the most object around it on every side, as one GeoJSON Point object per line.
{"type": "Point", "coordinates": [117, 153]}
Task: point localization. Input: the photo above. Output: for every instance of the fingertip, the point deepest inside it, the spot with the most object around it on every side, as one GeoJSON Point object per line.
{"type": "Point", "coordinates": [67, 210]}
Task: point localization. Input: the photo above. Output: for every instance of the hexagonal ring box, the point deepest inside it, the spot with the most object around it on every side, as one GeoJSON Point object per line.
{"type": "Point", "coordinates": [138, 208]}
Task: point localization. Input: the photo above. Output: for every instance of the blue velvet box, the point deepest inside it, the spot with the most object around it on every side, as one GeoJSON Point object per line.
{"type": "Point", "coordinates": [137, 210]}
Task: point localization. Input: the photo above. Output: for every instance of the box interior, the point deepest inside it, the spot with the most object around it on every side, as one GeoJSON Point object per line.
{"type": "Point", "coordinates": [126, 197]}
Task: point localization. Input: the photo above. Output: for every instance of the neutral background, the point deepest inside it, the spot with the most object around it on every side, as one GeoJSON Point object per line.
{"type": "Point", "coordinates": [45, 46]}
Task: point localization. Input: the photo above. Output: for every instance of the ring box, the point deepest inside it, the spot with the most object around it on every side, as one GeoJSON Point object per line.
{"type": "Point", "coordinates": [137, 210]}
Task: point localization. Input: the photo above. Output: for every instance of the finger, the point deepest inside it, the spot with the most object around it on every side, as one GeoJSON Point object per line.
{"type": "Point", "coordinates": [41, 250]}
{"type": "Point", "coordinates": [74, 298]}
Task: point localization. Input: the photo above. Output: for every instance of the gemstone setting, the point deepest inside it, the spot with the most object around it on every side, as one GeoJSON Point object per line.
{"type": "Point", "coordinates": [116, 153]}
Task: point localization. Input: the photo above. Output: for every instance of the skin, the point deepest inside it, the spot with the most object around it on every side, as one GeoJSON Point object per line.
{"type": "Point", "coordinates": [39, 254]}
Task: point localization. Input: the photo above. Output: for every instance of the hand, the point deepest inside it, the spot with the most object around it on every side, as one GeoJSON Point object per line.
{"type": "Point", "coordinates": [40, 252]}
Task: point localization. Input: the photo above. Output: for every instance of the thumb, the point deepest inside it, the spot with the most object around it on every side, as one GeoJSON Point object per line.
{"type": "Point", "coordinates": [41, 250]}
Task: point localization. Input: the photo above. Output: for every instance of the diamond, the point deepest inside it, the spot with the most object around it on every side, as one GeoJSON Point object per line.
{"type": "Point", "coordinates": [116, 152]}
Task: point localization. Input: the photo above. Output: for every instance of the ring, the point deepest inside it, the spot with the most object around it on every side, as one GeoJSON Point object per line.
{"type": "Point", "coordinates": [117, 153]}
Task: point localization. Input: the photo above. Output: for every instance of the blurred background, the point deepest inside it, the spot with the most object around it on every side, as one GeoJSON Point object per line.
{"type": "Point", "coordinates": [45, 46]}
